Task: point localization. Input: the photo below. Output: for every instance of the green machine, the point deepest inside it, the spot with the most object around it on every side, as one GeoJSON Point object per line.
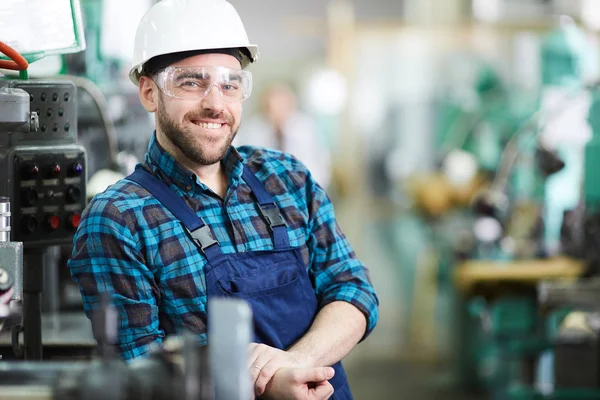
{"type": "Point", "coordinates": [575, 340]}
{"type": "Point", "coordinates": [500, 331]}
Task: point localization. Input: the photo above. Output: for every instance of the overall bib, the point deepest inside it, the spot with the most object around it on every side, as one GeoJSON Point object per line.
{"type": "Point", "coordinates": [275, 283]}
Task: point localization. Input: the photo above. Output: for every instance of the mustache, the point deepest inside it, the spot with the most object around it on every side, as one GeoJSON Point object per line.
{"type": "Point", "coordinates": [209, 114]}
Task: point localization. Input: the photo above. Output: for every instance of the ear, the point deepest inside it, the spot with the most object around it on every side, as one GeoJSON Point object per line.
{"type": "Point", "coordinates": [148, 94]}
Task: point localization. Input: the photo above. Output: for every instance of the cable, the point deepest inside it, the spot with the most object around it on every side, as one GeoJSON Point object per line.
{"type": "Point", "coordinates": [17, 63]}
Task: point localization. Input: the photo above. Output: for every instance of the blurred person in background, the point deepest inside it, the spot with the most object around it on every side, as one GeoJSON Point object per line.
{"type": "Point", "coordinates": [281, 125]}
{"type": "Point", "coordinates": [201, 218]}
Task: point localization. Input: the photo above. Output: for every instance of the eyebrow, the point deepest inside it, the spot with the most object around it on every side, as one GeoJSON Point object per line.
{"type": "Point", "coordinates": [204, 76]}
{"type": "Point", "coordinates": [193, 75]}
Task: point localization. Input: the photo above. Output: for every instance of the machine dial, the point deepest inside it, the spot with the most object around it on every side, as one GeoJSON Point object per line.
{"type": "Point", "coordinates": [73, 194]}
{"type": "Point", "coordinates": [75, 169]}
{"type": "Point", "coordinates": [31, 171]}
{"type": "Point", "coordinates": [29, 197]}
{"type": "Point", "coordinates": [29, 224]}
{"type": "Point", "coordinates": [56, 170]}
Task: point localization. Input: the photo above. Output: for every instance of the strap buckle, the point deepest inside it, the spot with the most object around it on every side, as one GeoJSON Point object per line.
{"type": "Point", "coordinates": [273, 216]}
{"type": "Point", "coordinates": [203, 237]}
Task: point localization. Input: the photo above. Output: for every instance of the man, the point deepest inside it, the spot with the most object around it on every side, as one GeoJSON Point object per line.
{"type": "Point", "coordinates": [200, 218]}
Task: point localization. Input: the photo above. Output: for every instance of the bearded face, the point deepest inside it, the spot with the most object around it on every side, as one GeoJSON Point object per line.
{"type": "Point", "coordinates": [200, 129]}
{"type": "Point", "coordinates": [203, 135]}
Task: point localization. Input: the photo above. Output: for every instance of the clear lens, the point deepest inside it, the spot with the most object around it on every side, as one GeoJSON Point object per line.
{"type": "Point", "coordinates": [195, 83]}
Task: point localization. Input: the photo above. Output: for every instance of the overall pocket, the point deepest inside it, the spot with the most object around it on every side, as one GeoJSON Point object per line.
{"type": "Point", "coordinates": [260, 284]}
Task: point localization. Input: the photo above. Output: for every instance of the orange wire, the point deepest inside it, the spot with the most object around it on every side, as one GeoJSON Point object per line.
{"type": "Point", "coordinates": [18, 63]}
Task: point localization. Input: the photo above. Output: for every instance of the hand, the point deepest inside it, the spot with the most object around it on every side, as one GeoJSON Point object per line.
{"type": "Point", "coordinates": [303, 383]}
{"type": "Point", "coordinates": [265, 361]}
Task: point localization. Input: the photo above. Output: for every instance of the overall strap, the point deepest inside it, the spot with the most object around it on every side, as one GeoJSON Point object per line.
{"type": "Point", "coordinates": [195, 225]}
{"type": "Point", "coordinates": [268, 209]}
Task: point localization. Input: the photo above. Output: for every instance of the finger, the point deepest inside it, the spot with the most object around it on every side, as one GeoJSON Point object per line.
{"type": "Point", "coordinates": [322, 391]}
{"type": "Point", "coordinates": [253, 352]}
{"type": "Point", "coordinates": [265, 376]}
{"type": "Point", "coordinates": [254, 373]}
{"type": "Point", "coordinates": [257, 366]}
{"type": "Point", "coordinates": [258, 358]}
{"type": "Point", "coordinates": [314, 374]}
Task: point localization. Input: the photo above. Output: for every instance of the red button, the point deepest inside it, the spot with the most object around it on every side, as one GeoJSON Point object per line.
{"type": "Point", "coordinates": [54, 222]}
{"type": "Point", "coordinates": [56, 170]}
{"type": "Point", "coordinates": [75, 220]}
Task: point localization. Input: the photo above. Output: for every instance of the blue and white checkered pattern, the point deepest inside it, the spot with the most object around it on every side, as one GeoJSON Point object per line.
{"type": "Point", "coordinates": [130, 247]}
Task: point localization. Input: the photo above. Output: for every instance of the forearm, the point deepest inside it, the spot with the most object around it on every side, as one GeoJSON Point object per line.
{"type": "Point", "coordinates": [338, 327]}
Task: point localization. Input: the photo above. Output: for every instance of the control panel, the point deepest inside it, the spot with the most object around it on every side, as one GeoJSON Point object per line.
{"type": "Point", "coordinates": [42, 168]}
{"type": "Point", "coordinates": [54, 105]}
{"type": "Point", "coordinates": [50, 194]}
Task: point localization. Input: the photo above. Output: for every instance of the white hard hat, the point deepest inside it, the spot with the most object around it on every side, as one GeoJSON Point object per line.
{"type": "Point", "coordinates": [173, 26]}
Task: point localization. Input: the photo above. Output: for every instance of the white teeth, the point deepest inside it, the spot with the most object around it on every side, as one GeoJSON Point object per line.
{"type": "Point", "coordinates": [209, 125]}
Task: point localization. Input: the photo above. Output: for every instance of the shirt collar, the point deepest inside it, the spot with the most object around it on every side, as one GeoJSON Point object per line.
{"type": "Point", "coordinates": [160, 160]}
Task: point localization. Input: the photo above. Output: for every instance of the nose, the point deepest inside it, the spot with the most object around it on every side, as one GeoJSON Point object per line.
{"type": "Point", "coordinates": [213, 100]}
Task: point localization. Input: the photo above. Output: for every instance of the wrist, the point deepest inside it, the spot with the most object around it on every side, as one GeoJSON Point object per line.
{"type": "Point", "coordinates": [302, 358]}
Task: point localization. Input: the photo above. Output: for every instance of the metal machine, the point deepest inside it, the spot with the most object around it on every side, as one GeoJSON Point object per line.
{"type": "Point", "coordinates": [43, 172]}
{"type": "Point", "coordinates": [181, 368]}
{"type": "Point", "coordinates": [11, 271]}
{"type": "Point", "coordinates": [43, 167]}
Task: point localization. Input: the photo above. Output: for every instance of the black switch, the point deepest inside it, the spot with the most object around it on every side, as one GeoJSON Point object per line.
{"type": "Point", "coordinates": [29, 224]}
{"type": "Point", "coordinates": [73, 194]}
{"type": "Point", "coordinates": [29, 197]}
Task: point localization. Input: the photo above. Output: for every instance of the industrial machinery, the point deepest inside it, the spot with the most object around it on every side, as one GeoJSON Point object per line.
{"type": "Point", "coordinates": [11, 271]}
{"type": "Point", "coordinates": [43, 170]}
{"type": "Point", "coordinates": [535, 192]}
{"type": "Point", "coordinates": [43, 167]}
{"type": "Point", "coordinates": [181, 368]}
{"type": "Point", "coordinates": [572, 309]}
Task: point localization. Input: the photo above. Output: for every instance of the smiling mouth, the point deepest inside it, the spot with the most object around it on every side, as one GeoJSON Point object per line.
{"type": "Point", "coordinates": [208, 125]}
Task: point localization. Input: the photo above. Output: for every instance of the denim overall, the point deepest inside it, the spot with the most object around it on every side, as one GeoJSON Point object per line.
{"type": "Point", "coordinates": [274, 283]}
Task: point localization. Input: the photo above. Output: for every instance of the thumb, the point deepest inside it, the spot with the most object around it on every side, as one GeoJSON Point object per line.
{"type": "Point", "coordinates": [316, 374]}
{"type": "Point", "coordinates": [322, 391]}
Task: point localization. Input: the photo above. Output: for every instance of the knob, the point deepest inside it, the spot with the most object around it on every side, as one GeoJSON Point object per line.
{"type": "Point", "coordinates": [29, 224]}
{"type": "Point", "coordinates": [56, 170]}
{"type": "Point", "coordinates": [29, 197]}
{"type": "Point", "coordinates": [75, 169]}
{"type": "Point", "coordinates": [73, 194]}
{"type": "Point", "coordinates": [73, 220]}
{"type": "Point", "coordinates": [31, 171]}
{"type": "Point", "coordinates": [53, 222]}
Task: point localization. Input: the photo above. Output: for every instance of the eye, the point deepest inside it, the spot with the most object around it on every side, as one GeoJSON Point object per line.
{"type": "Point", "coordinates": [229, 87]}
{"type": "Point", "coordinates": [190, 84]}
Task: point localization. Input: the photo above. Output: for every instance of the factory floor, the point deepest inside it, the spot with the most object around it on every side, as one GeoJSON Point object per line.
{"type": "Point", "coordinates": [403, 357]}
{"type": "Point", "coordinates": [396, 380]}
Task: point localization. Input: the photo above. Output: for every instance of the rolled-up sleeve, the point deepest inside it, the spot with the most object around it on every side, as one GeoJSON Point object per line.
{"type": "Point", "coordinates": [107, 261]}
{"type": "Point", "coordinates": [335, 270]}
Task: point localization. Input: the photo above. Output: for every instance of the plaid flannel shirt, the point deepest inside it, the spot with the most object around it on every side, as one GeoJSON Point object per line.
{"type": "Point", "coordinates": [131, 248]}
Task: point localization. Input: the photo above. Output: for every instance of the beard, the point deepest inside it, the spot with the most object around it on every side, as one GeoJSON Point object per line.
{"type": "Point", "coordinates": [204, 152]}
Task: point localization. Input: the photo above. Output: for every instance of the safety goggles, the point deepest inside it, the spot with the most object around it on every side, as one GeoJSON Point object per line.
{"type": "Point", "coordinates": [195, 83]}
